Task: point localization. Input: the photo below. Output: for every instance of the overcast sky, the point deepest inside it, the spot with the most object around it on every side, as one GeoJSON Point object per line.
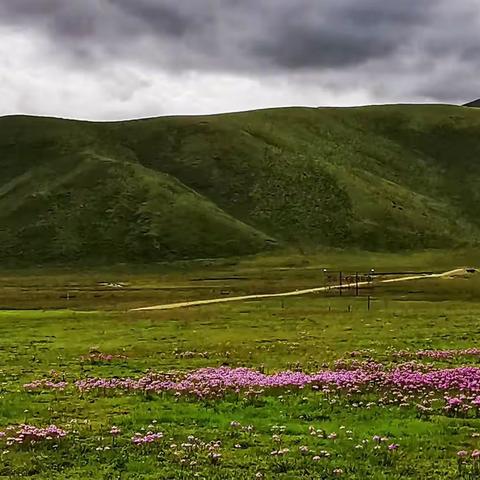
{"type": "Point", "coordinates": [115, 59]}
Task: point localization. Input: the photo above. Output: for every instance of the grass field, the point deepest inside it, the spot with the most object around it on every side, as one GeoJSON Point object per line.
{"type": "Point", "coordinates": [368, 414]}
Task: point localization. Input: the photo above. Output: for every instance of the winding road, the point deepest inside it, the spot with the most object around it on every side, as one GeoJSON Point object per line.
{"type": "Point", "coordinates": [294, 293]}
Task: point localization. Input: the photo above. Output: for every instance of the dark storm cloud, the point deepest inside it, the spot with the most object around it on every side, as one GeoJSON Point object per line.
{"type": "Point", "coordinates": [340, 33]}
{"type": "Point", "coordinates": [101, 19]}
{"type": "Point", "coordinates": [28, 7]}
{"type": "Point", "coordinates": [320, 47]}
{"type": "Point", "coordinates": [381, 50]}
{"type": "Point", "coordinates": [104, 30]}
{"type": "Point", "coordinates": [160, 17]}
{"type": "Point", "coordinates": [225, 34]}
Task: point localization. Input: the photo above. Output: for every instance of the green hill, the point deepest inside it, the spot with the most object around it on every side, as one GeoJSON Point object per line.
{"type": "Point", "coordinates": [382, 177]}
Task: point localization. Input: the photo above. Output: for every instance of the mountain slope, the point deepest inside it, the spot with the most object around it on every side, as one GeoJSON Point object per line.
{"type": "Point", "coordinates": [386, 177]}
{"type": "Point", "coordinates": [475, 103]}
{"type": "Point", "coordinates": [105, 210]}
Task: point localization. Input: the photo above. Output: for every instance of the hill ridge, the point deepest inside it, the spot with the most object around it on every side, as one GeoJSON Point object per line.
{"type": "Point", "coordinates": [474, 103]}
{"type": "Point", "coordinates": [228, 113]}
{"type": "Point", "coordinates": [378, 177]}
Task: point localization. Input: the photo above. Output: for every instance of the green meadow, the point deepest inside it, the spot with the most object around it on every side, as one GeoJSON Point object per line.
{"type": "Point", "coordinates": [55, 325]}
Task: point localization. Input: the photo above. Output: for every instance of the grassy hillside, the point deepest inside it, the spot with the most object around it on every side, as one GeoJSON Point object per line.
{"type": "Point", "coordinates": [384, 178]}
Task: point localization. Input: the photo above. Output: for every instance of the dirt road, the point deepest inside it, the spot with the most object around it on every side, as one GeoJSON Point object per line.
{"type": "Point", "coordinates": [195, 303]}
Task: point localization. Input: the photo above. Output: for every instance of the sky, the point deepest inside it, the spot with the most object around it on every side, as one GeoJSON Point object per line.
{"type": "Point", "coordinates": [120, 59]}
